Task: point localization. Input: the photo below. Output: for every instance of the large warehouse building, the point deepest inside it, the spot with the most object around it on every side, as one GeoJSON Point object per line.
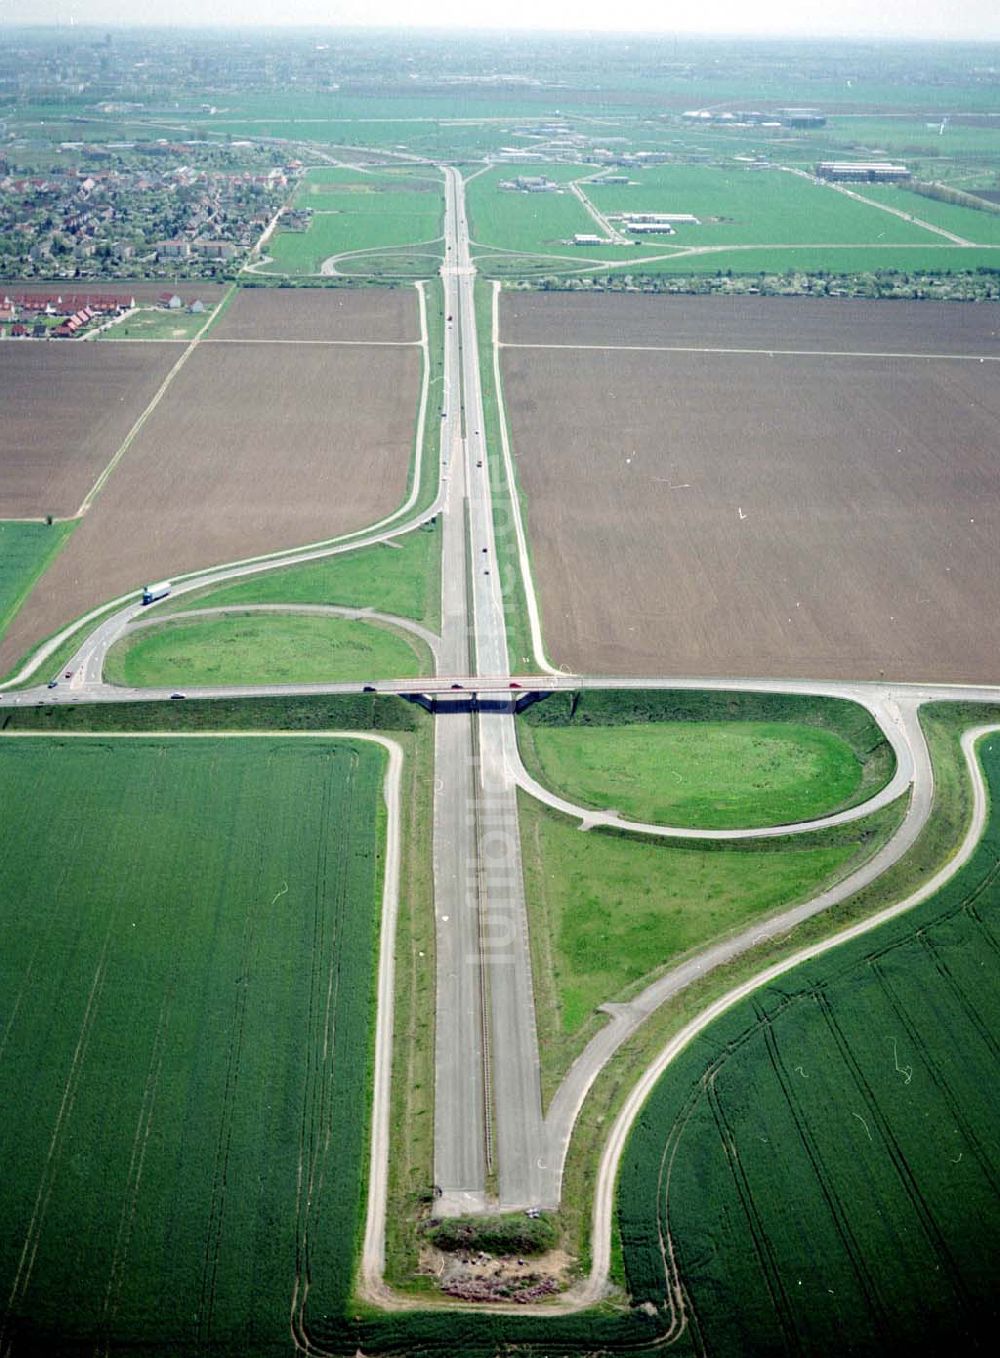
{"type": "Point", "coordinates": [872, 172]}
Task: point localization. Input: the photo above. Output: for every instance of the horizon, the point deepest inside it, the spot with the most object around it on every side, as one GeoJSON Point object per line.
{"type": "Point", "coordinates": [773, 20]}
{"type": "Point", "coordinates": [444, 30]}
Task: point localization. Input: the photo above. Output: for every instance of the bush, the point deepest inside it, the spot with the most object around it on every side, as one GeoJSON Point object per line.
{"type": "Point", "coordinates": [495, 1235]}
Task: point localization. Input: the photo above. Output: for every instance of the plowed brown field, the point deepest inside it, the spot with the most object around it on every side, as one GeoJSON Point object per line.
{"type": "Point", "coordinates": [143, 292]}
{"type": "Point", "coordinates": [374, 314]}
{"type": "Point", "coordinates": [721, 514]}
{"type": "Point", "coordinates": [829, 324]}
{"type": "Point", "coordinates": [254, 448]}
{"type": "Point", "coordinates": [67, 406]}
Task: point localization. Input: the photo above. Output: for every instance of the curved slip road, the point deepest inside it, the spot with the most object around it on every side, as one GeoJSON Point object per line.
{"type": "Point", "coordinates": [626, 1018]}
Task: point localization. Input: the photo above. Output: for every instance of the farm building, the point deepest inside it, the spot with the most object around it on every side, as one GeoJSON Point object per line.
{"type": "Point", "coordinates": [634, 219]}
{"type": "Point", "coordinates": [802, 117]}
{"type": "Point", "coordinates": [872, 172]}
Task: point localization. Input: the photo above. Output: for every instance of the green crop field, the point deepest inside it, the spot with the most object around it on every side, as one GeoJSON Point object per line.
{"type": "Point", "coordinates": [750, 221]}
{"type": "Point", "coordinates": [753, 207]}
{"type": "Point", "coordinates": [184, 1054]}
{"type": "Point", "coordinates": [400, 577]}
{"type": "Point", "coordinates": [353, 211]}
{"type": "Point", "coordinates": [531, 222]}
{"type": "Point", "coordinates": [609, 910]}
{"type": "Point", "coordinates": [711, 760]}
{"type": "Point", "coordinates": [829, 1151]}
{"type": "Point", "coordinates": [828, 259]}
{"type": "Point", "coordinates": [323, 182]}
{"type": "Point", "coordinates": [969, 223]}
{"type": "Point", "coordinates": [25, 551]}
{"type": "Point", "coordinates": [264, 648]}
{"type": "Point", "coordinates": [910, 138]}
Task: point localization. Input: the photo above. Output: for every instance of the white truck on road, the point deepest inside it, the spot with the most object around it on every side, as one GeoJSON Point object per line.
{"type": "Point", "coordinates": [151, 593]}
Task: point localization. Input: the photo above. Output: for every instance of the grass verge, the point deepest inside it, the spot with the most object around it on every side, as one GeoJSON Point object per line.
{"type": "Point", "coordinates": [508, 564]}
{"type": "Point", "coordinates": [710, 760]}
{"type": "Point", "coordinates": [401, 577]}
{"type": "Point", "coordinates": [610, 911]}
{"type": "Point", "coordinates": [264, 648]}
{"type": "Point", "coordinates": [411, 1153]}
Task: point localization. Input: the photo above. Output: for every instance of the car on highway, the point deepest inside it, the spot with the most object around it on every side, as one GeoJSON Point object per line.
{"type": "Point", "coordinates": [53, 683]}
{"type": "Point", "coordinates": [68, 674]}
{"type": "Point", "coordinates": [176, 695]}
{"type": "Point", "coordinates": [457, 685]}
{"type": "Point", "coordinates": [368, 688]}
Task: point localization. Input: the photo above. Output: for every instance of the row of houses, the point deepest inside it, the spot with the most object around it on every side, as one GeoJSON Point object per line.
{"type": "Point", "coordinates": [29, 303]}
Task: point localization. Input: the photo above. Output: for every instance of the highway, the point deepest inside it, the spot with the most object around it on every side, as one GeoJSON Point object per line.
{"type": "Point", "coordinates": [516, 1102]}
{"type": "Point", "coordinates": [488, 1112]}
{"type": "Point", "coordinates": [492, 1146]}
{"type": "Point", "coordinates": [460, 1090]}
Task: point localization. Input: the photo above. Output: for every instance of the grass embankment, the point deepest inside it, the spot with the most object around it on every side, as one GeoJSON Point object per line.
{"type": "Point", "coordinates": [943, 724]}
{"type": "Point", "coordinates": [508, 565]}
{"type": "Point", "coordinates": [264, 648]}
{"type": "Point", "coordinates": [609, 910]}
{"type": "Point", "coordinates": [26, 551]}
{"type": "Point", "coordinates": [329, 712]}
{"type": "Point", "coordinates": [184, 1049]}
{"type": "Point", "coordinates": [866, 1156]}
{"type": "Point", "coordinates": [705, 759]}
{"type": "Point", "coordinates": [401, 577]}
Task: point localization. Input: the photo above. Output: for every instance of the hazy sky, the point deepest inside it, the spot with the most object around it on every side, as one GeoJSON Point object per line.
{"type": "Point", "coordinates": [861, 18]}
